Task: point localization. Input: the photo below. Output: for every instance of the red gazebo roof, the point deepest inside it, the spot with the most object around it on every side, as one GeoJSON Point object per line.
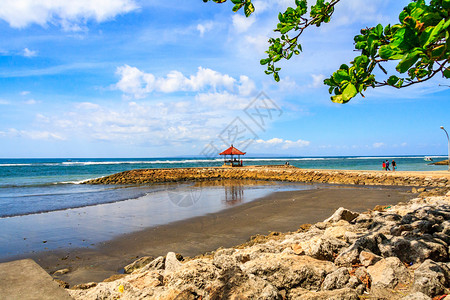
{"type": "Point", "coordinates": [232, 151]}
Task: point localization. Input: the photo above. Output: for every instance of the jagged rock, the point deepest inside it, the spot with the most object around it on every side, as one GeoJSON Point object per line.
{"type": "Point", "coordinates": [431, 279]}
{"type": "Point", "coordinates": [416, 296]}
{"type": "Point", "coordinates": [342, 214]}
{"type": "Point", "coordinates": [287, 271]}
{"type": "Point", "coordinates": [234, 284]}
{"type": "Point", "coordinates": [137, 264]}
{"type": "Point", "coordinates": [336, 280]}
{"type": "Point", "coordinates": [368, 258]}
{"type": "Point", "coordinates": [156, 264]}
{"type": "Point", "coordinates": [171, 263]}
{"type": "Point", "coordinates": [84, 286]}
{"type": "Point", "coordinates": [388, 273]}
{"type": "Point", "coordinates": [323, 248]}
{"type": "Point", "coordinates": [350, 255]}
{"type": "Point", "coordinates": [341, 294]}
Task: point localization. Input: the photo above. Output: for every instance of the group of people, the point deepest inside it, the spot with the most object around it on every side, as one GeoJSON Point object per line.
{"type": "Point", "coordinates": [386, 165]}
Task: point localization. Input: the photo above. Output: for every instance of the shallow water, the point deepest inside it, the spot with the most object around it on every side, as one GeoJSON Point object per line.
{"type": "Point", "coordinates": [87, 226]}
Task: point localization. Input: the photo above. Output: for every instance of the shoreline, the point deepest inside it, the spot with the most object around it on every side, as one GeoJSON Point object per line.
{"type": "Point", "coordinates": [280, 211]}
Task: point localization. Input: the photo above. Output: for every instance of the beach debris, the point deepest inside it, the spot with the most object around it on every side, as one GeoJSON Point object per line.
{"type": "Point", "coordinates": [61, 272]}
{"type": "Point", "coordinates": [120, 288]}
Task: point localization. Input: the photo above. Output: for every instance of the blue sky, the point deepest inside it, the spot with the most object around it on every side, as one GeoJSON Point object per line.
{"type": "Point", "coordinates": [130, 78]}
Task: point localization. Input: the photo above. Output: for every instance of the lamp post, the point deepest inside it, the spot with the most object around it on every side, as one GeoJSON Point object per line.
{"type": "Point", "coordinates": [448, 140]}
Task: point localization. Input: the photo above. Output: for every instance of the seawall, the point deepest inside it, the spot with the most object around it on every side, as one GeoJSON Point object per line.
{"type": "Point", "coordinates": [277, 173]}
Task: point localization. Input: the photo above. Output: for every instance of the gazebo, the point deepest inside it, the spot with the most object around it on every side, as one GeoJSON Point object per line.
{"type": "Point", "coordinates": [232, 162]}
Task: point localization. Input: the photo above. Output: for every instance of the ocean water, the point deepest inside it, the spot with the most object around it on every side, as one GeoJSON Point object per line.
{"type": "Point", "coordinates": [44, 206]}
{"type": "Point", "coordinates": [29, 186]}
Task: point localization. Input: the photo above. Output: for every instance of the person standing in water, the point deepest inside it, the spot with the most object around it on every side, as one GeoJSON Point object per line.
{"type": "Point", "coordinates": [394, 165]}
{"type": "Point", "coordinates": [387, 165]}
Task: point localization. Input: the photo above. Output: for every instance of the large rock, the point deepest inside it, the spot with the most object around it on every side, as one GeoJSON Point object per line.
{"type": "Point", "coordinates": [342, 214]}
{"type": "Point", "coordinates": [416, 296]}
{"type": "Point", "coordinates": [325, 248]}
{"type": "Point", "coordinates": [388, 273]}
{"type": "Point", "coordinates": [287, 270]}
{"type": "Point", "coordinates": [336, 280]}
{"type": "Point", "coordinates": [172, 263]}
{"type": "Point", "coordinates": [431, 278]}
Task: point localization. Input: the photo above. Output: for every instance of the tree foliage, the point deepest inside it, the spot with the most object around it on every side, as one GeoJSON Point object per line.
{"type": "Point", "coordinates": [418, 44]}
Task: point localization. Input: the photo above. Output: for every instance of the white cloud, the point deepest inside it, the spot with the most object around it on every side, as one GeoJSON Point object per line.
{"type": "Point", "coordinates": [242, 23]}
{"type": "Point", "coordinates": [137, 84]}
{"type": "Point", "coordinates": [205, 27]}
{"type": "Point", "coordinates": [70, 15]}
{"type": "Point", "coordinates": [4, 102]}
{"type": "Point", "coordinates": [31, 102]}
{"type": "Point", "coordinates": [317, 80]}
{"type": "Point", "coordinates": [24, 93]}
{"type": "Point", "coordinates": [283, 144]}
{"type": "Point", "coordinates": [29, 53]}
{"type": "Point", "coordinates": [378, 145]}
{"type": "Point", "coordinates": [34, 134]}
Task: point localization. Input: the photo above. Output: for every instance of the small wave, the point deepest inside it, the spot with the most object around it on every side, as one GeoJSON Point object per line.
{"type": "Point", "coordinates": [15, 165]}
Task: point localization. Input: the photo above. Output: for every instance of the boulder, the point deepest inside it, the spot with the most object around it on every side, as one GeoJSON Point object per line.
{"type": "Point", "coordinates": [171, 263]}
{"type": "Point", "coordinates": [156, 264]}
{"type": "Point", "coordinates": [323, 248]}
{"type": "Point", "coordinates": [342, 214]}
{"type": "Point", "coordinates": [431, 278]}
{"type": "Point", "coordinates": [388, 273]}
{"type": "Point", "coordinates": [287, 271]}
{"type": "Point", "coordinates": [368, 258]}
{"type": "Point", "coordinates": [336, 280]}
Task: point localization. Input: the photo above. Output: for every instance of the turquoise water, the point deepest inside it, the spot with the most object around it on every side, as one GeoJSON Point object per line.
{"type": "Point", "coordinates": [29, 186]}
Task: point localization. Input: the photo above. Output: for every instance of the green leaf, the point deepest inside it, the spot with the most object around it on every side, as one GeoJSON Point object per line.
{"type": "Point", "coordinates": [249, 9]}
{"type": "Point", "coordinates": [237, 7]}
{"type": "Point", "coordinates": [434, 35]}
{"type": "Point", "coordinates": [349, 92]}
{"type": "Point", "coordinates": [446, 73]}
{"type": "Point", "coordinates": [408, 60]}
{"type": "Point", "coordinates": [392, 80]}
{"type": "Point", "coordinates": [386, 52]}
{"type": "Point", "coordinates": [276, 77]}
{"type": "Point", "coordinates": [264, 61]}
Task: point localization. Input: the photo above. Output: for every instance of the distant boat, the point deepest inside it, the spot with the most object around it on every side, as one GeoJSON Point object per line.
{"type": "Point", "coordinates": [427, 158]}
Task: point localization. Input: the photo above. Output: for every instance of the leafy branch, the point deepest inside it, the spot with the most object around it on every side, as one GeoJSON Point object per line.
{"type": "Point", "coordinates": [419, 42]}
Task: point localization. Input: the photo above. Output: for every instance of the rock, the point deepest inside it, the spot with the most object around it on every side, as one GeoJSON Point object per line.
{"type": "Point", "coordinates": [414, 190]}
{"type": "Point", "coordinates": [323, 248]}
{"type": "Point", "coordinates": [61, 272]}
{"type": "Point", "coordinates": [341, 294]}
{"type": "Point", "coordinates": [350, 255]}
{"type": "Point", "coordinates": [368, 258]}
{"type": "Point", "coordinates": [61, 283]}
{"type": "Point", "coordinates": [84, 286]}
{"type": "Point", "coordinates": [336, 280]}
{"type": "Point", "coordinates": [137, 264]}
{"type": "Point", "coordinates": [421, 190]}
{"type": "Point", "coordinates": [431, 279]}
{"type": "Point", "coordinates": [388, 273]}
{"type": "Point", "coordinates": [416, 296]}
{"type": "Point", "coordinates": [156, 264]}
{"type": "Point", "coordinates": [172, 263]}
{"type": "Point", "coordinates": [287, 271]}
{"type": "Point", "coordinates": [234, 284]}
{"type": "Point", "coordinates": [342, 214]}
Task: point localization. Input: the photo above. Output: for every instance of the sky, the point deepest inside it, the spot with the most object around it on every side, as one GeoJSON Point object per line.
{"type": "Point", "coordinates": [164, 78]}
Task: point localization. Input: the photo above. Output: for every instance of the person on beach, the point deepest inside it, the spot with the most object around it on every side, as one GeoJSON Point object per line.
{"type": "Point", "coordinates": [394, 165]}
{"type": "Point", "coordinates": [384, 166]}
{"type": "Point", "coordinates": [387, 165]}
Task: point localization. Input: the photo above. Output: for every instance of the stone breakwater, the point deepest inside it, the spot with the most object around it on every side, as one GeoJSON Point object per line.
{"type": "Point", "coordinates": [398, 252]}
{"type": "Point", "coordinates": [147, 176]}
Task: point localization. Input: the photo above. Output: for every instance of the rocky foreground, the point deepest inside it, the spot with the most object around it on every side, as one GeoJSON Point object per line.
{"type": "Point", "coordinates": [398, 252]}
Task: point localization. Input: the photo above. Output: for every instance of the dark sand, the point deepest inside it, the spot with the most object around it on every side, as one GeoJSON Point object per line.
{"type": "Point", "coordinates": [281, 211]}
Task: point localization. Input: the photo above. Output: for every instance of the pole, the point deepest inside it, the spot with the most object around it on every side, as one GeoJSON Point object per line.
{"type": "Point", "coordinates": [448, 141]}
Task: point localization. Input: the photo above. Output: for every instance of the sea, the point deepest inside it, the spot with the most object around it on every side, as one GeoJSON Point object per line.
{"type": "Point", "coordinates": [44, 206]}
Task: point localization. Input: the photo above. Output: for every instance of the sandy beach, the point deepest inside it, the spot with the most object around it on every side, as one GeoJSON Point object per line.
{"type": "Point", "coordinates": [281, 211]}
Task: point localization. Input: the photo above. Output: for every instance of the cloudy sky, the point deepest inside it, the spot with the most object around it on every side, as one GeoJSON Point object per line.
{"type": "Point", "coordinates": [135, 78]}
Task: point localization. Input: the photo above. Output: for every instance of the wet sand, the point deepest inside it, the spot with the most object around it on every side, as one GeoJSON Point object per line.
{"type": "Point", "coordinates": [280, 211]}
